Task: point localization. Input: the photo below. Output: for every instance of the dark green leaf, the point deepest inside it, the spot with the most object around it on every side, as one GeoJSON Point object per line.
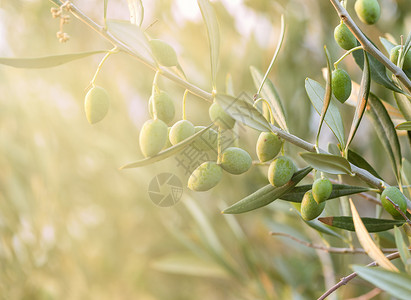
{"type": "Point", "coordinates": [404, 126]}
{"type": "Point", "coordinates": [362, 100]}
{"type": "Point", "coordinates": [45, 61]}
{"type": "Point", "coordinates": [359, 161]}
{"type": "Point", "coordinates": [269, 93]}
{"type": "Point", "coordinates": [339, 190]}
{"type": "Point", "coordinates": [242, 110]}
{"type": "Point", "coordinates": [333, 119]}
{"type": "Point", "coordinates": [394, 283]}
{"type": "Point", "coordinates": [320, 227]}
{"type": "Point", "coordinates": [165, 153]}
{"type": "Point", "coordinates": [371, 224]}
{"type": "Point", "coordinates": [213, 32]}
{"type": "Point", "coordinates": [385, 132]}
{"type": "Point", "coordinates": [266, 194]}
{"type": "Point", "coordinates": [132, 36]}
{"type": "Point", "coordinates": [327, 163]}
{"type": "Point", "coordinates": [377, 69]}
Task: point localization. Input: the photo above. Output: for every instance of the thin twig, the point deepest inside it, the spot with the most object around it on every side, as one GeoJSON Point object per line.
{"type": "Point", "coordinates": [369, 47]}
{"type": "Point", "coordinates": [330, 249]}
{"type": "Point", "coordinates": [346, 279]}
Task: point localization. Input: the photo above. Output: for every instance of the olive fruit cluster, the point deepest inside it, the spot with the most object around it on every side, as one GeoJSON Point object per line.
{"type": "Point", "coordinates": [368, 11]}
{"type": "Point", "coordinates": [96, 104]}
{"type": "Point", "coordinates": [233, 160]}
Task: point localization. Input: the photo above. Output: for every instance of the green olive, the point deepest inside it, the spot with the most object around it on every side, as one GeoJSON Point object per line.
{"type": "Point", "coordinates": [321, 189]}
{"type": "Point", "coordinates": [268, 146]}
{"type": "Point", "coordinates": [395, 52]}
{"type": "Point", "coordinates": [205, 177]}
{"type": "Point", "coordinates": [164, 53]}
{"type": "Point", "coordinates": [235, 160]}
{"type": "Point", "coordinates": [96, 104]}
{"type": "Point", "coordinates": [368, 11]}
{"type": "Point", "coordinates": [397, 197]}
{"type": "Point", "coordinates": [164, 106]}
{"type": "Point", "coordinates": [341, 85]}
{"type": "Point", "coordinates": [180, 131]}
{"type": "Point", "coordinates": [153, 137]}
{"type": "Point", "coordinates": [281, 170]}
{"type": "Point", "coordinates": [220, 117]}
{"type": "Point", "coordinates": [344, 37]}
{"type": "Point", "coordinates": [310, 209]}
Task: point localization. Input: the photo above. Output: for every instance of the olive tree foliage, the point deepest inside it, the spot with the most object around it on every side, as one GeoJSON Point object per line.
{"type": "Point", "coordinates": [341, 174]}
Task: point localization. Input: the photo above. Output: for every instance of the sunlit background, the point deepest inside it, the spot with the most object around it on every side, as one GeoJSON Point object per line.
{"type": "Point", "coordinates": [74, 226]}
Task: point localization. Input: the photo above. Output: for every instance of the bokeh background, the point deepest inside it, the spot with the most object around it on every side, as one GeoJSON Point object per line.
{"type": "Point", "coordinates": [74, 226]}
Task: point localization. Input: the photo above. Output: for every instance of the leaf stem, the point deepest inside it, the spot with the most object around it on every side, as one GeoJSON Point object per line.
{"type": "Point", "coordinates": [100, 65]}
{"type": "Point", "coordinates": [345, 55]}
{"type": "Point", "coordinates": [268, 106]}
{"type": "Point", "coordinates": [184, 103]}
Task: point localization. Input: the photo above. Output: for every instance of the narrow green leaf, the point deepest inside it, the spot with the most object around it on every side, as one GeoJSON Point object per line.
{"type": "Point", "coordinates": [136, 9]}
{"type": "Point", "coordinates": [387, 44]}
{"type": "Point", "coordinates": [265, 195]}
{"type": "Point", "coordinates": [242, 110]}
{"type": "Point", "coordinates": [327, 94]}
{"type": "Point", "coordinates": [327, 163]}
{"type": "Point", "coordinates": [394, 283]}
{"type": "Point", "coordinates": [359, 161]}
{"type": "Point", "coordinates": [339, 190]}
{"type": "Point", "coordinates": [404, 105]}
{"type": "Point", "coordinates": [385, 132]}
{"type": "Point", "coordinates": [333, 149]}
{"type": "Point", "coordinates": [402, 247]}
{"type": "Point", "coordinates": [371, 224]}
{"type": "Point", "coordinates": [320, 227]}
{"type": "Point", "coordinates": [333, 118]}
{"type": "Point", "coordinates": [166, 153]}
{"type": "Point", "coordinates": [404, 126]}
{"type": "Point", "coordinates": [45, 61]}
{"type": "Point", "coordinates": [132, 36]}
{"type": "Point", "coordinates": [213, 32]}
{"type": "Point", "coordinates": [362, 100]}
{"type": "Point", "coordinates": [188, 264]}
{"type": "Point", "coordinates": [377, 69]}
{"type": "Point", "coordinates": [105, 11]}
{"type": "Point", "coordinates": [269, 93]}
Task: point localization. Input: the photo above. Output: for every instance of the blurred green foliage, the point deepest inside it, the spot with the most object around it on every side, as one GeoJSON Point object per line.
{"type": "Point", "coordinates": [73, 226]}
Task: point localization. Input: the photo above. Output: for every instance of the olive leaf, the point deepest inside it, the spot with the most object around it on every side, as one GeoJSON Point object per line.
{"type": "Point", "coordinates": [339, 190]}
{"type": "Point", "coordinates": [361, 102]}
{"type": "Point", "coordinates": [377, 70]}
{"type": "Point", "coordinates": [45, 61]}
{"type": "Point", "coordinates": [166, 153]}
{"type": "Point", "coordinates": [213, 33]}
{"type": "Point", "coordinates": [327, 94]}
{"type": "Point", "coordinates": [404, 126]}
{"type": "Point", "coordinates": [333, 118]}
{"type": "Point", "coordinates": [229, 85]}
{"type": "Point", "coordinates": [133, 37]}
{"type": "Point", "coordinates": [105, 11]}
{"type": "Point", "coordinates": [394, 283]}
{"type": "Point", "coordinates": [269, 93]}
{"type": "Point", "coordinates": [266, 194]}
{"type": "Point", "coordinates": [385, 131]}
{"type": "Point", "coordinates": [317, 225]}
{"type": "Point", "coordinates": [333, 149]}
{"type": "Point", "coordinates": [242, 110]}
{"type": "Point", "coordinates": [404, 105]}
{"type": "Point", "coordinates": [367, 243]}
{"type": "Point", "coordinates": [356, 159]}
{"type": "Point", "coordinates": [136, 9]}
{"type": "Point", "coordinates": [387, 44]}
{"type": "Point", "coordinates": [327, 163]}
{"type": "Point", "coordinates": [371, 224]}
{"type": "Point", "coordinates": [402, 247]}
